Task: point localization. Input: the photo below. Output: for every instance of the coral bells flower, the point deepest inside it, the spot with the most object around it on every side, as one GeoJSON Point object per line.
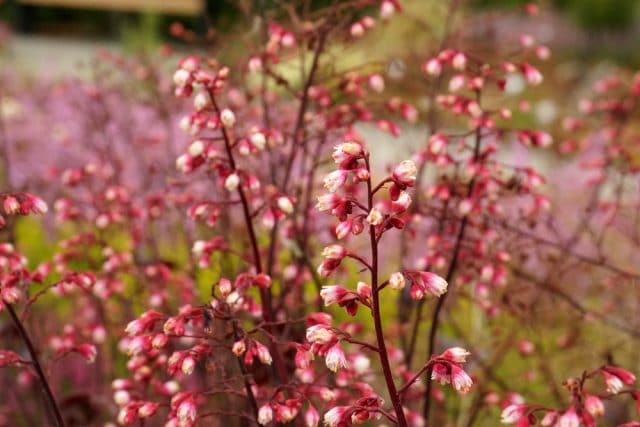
{"type": "Point", "coordinates": [228, 118]}
{"type": "Point", "coordinates": [231, 182]}
{"type": "Point", "coordinates": [336, 416]}
{"type": "Point", "coordinates": [460, 380]}
{"type": "Point", "coordinates": [405, 173]}
{"type": "Point", "coordinates": [423, 282]}
{"type": "Point", "coordinates": [569, 419]}
{"type": "Point", "coordinates": [375, 217]}
{"type": "Point", "coordinates": [336, 252]}
{"type": "Point", "coordinates": [512, 413]}
{"type": "Point", "coordinates": [311, 417]}
{"type": "Point", "coordinates": [265, 414]}
{"type": "Point", "coordinates": [335, 358]}
{"type": "Point", "coordinates": [332, 294]}
{"type": "Point", "coordinates": [342, 296]}
{"type": "Point", "coordinates": [594, 406]}
{"type": "Point", "coordinates": [333, 257]}
{"type": "Point", "coordinates": [616, 378]}
{"type": "Point", "coordinates": [456, 354]}
{"type": "Point", "coordinates": [11, 205]}
{"type": "Point", "coordinates": [347, 152]}
{"type": "Point", "coordinates": [328, 202]}
{"type": "Point", "coordinates": [320, 334]}
{"type": "Point", "coordinates": [396, 281]}
{"type": "Point", "coordinates": [335, 180]}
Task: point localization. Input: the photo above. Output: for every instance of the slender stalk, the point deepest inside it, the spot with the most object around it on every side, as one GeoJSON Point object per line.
{"type": "Point", "coordinates": [52, 408]}
{"type": "Point", "coordinates": [377, 319]}
{"type": "Point", "coordinates": [435, 321]}
{"type": "Point", "coordinates": [247, 385]}
{"type": "Point", "coordinates": [265, 299]}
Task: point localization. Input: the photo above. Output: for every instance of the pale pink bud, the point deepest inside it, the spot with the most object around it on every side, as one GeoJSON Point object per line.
{"type": "Point", "coordinates": [265, 414]}
{"type": "Point", "coordinates": [336, 252]}
{"type": "Point", "coordinates": [263, 354]}
{"type": "Point", "coordinates": [569, 419]}
{"type": "Point", "coordinates": [357, 30]}
{"type": "Point", "coordinates": [465, 207]}
{"type": "Point", "coordinates": [328, 202]}
{"type": "Point", "coordinates": [459, 61]}
{"type": "Point", "coordinates": [228, 118]}
{"type": "Point", "coordinates": [320, 334]}
{"type": "Point", "coordinates": [405, 172]}
{"type": "Point", "coordinates": [258, 140]}
{"type": "Point", "coordinates": [336, 179]}
{"type": "Point", "coordinates": [238, 348]}
{"type": "Point", "coordinates": [397, 281]}
{"type": "Point", "coordinates": [187, 412]}
{"type": "Point", "coordinates": [533, 76]}
{"type": "Point", "coordinates": [456, 354]}
{"type": "Point", "coordinates": [181, 77]}
{"type": "Point", "coordinates": [285, 205]}
{"type": "Point", "coordinates": [456, 83]}
{"type": "Point", "coordinates": [460, 380]}
{"type": "Point", "coordinates": [335, 358]}
{"type": "Point", "coordinates": [231, 182]}
{"type": "Point", "coordinates": [433, 67]}
{"type": "Point", "coordinates": [375, 217]}
{"type": "Point", "coordinates": [201, 101]}
{"type": "Point", "coordinates": [196, 148]}
{"type": "Point", "coordinates": [188, 364]}
{"type": "Point", "coordinates": [512, 414]}
{"type": "Point", "coordinates": [255, 64]}
{"type": "Point", "coordinates": [311, 417]}
{"type": "Point", "coordinates": [11, 205]}
{"type": "Point", "coordinates": [594, 405]}
{"type": "Point", "coordinates": [387, 9]}
{"type": "Point", "coordinates": [376, 82]}
{"type": "Point", "coordinates": [343, 229]}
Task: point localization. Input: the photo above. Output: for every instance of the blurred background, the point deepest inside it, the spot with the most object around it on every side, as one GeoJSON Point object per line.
{"type": "Point", "coordinates": [58, 33]}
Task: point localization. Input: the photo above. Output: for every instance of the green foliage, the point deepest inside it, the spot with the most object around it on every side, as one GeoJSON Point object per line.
{"type": "Point", "coordinates": [601, 14]}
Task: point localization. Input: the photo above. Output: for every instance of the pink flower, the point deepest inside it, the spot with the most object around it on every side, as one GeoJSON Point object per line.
{"type": "Point", "coordinates": [512, 413]}
{"type": "Point", "coordinates": [335, 180]}
{"type": "Point", "coordinates": [320, 334]}
{"type": "Point", "coordinates": [405, 173]}
{"type": "Point", "coordinates": [265, 414]}
{"type": "Point", "coordinates": [594, 405]}
{"type": "Point", "coordinates": [455, 354]}
{"type": "Point", "coordinates": [460, 380]}
{"type": "Point", "coordinates": [335, 416]}
{"type": "Point", "coordinates": [335, 358]}
{"type": "Point", "coordinates": [569, 419]}
{"type": "Point", "coordinates": [311, 417]}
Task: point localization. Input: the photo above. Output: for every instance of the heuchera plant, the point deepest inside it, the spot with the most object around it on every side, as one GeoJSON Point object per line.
{"type": "Point", "coordinates": [286, 270]}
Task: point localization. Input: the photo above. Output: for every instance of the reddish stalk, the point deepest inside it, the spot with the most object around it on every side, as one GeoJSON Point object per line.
{"type": "Point", "coordinates": [264, 294]}
{"type": "Point", "coordinates": [435, 321]}
{"type": "Point", "coordinates": [377, 319]}
{"type": "Point", "coordinates": [55, 416]}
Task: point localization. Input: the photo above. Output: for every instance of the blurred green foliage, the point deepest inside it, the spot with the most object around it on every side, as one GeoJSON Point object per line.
{"type": "Point", "coordinates": [589, 14]}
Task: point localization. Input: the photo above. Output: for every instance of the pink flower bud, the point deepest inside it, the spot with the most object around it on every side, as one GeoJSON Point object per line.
{"type": "Point", "coordinates": [335, 358]}
{"type": "Point", "coordinates": [397, 281]}
{"type": "Point", "coordinates": [456, 354]}
{"type": "Point", "coordinates": [231, 182]}
{"type": "Point", "coordinates": [375, 217]}
{"type": "Point", "coordinates": [432, 67]}
{"type": "Point", "coordinates": [228, 118]}
{"type": "Point", "coordinates": [594, 405]}
{"type": "Point", "coordinates": [265, 414]}
{"type": "Point", "coordinates": [405, 173]}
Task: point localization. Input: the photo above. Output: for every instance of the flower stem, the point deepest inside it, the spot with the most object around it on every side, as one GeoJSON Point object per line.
{"type": "Point", "coordinates": [377, 319]}
{"type": "Point", "coordinates": [52, 407]}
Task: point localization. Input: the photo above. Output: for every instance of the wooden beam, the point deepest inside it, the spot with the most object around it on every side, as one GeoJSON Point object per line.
{"type": "Point", "coordinates": [177, 7]}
